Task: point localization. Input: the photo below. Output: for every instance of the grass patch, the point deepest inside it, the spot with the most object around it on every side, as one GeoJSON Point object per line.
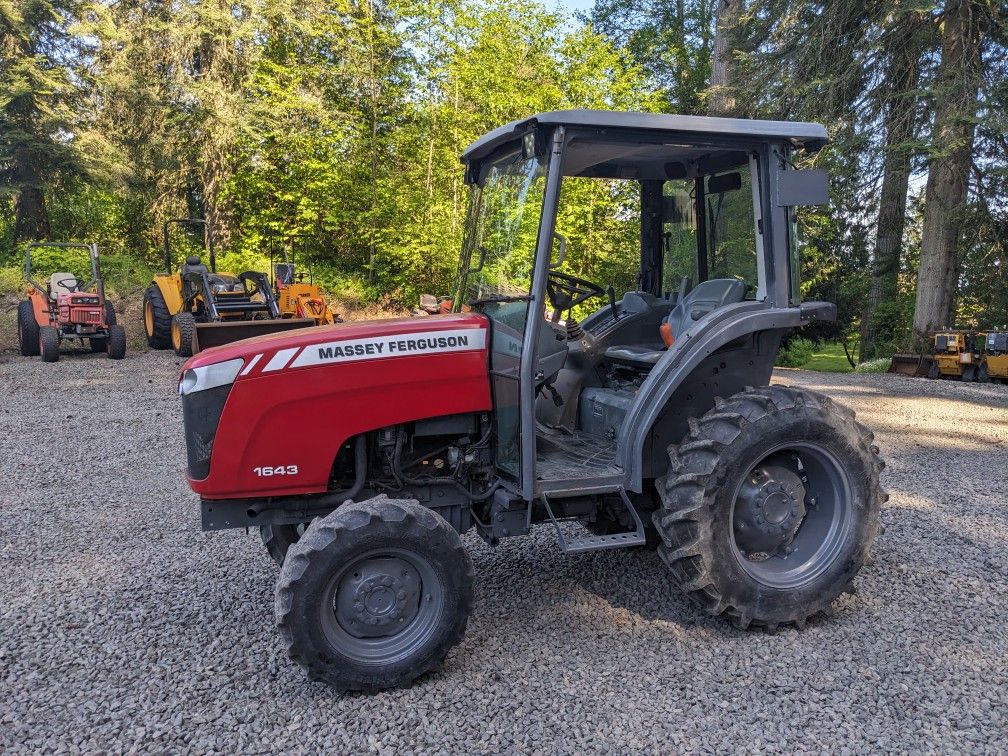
{"type": "Point", "coordinates": [828, 358]}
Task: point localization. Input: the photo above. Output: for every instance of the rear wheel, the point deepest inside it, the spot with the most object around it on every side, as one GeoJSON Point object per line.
{"type": "Point", "coordinates": [183, 328]}
{"type": "Point", "coordinates": [157, 318]}
{"type": "Point", "coordinates": [49, 343]}
{"type": "Point", "coordinates": [983, 373]}
{"type": "Point", "coordinates": [116, 342]}
{"type": "Point", "coordinates": [279, 538]}
{"type": "Point", "coordinates": [969, 373]}
{"type": "Point", "coordinates": [374, 595]}
{"type": "Point", "coordinates": [770, 506]}
{"type": "Point", "coordinates": [99, 344]}
{"type": "Point", "coordinates": [110, 314]}
{"type": "Point", "coordinates": [933, 372]}
{"type": "Point", "coordinates": [28, 329]}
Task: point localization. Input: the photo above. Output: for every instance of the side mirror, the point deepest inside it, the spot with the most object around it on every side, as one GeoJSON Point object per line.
{"type": "Point", "coordinates": [802, 188]}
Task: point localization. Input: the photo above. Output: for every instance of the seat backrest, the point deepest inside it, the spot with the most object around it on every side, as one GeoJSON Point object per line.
{"type": "Point", "coordinates": [703, 300]}
{"type": "Point", "coordinates": [62, 283]}
{"type": "Point", "coordinates": [194, 265]}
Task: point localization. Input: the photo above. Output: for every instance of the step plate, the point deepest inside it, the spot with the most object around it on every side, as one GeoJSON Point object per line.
{"type": "Point", "coordinates": [597, 543]}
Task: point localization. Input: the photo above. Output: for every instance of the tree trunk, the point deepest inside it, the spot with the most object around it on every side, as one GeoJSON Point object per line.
{"type": "Point", "coordinates": [957, 82]}
{"type": "Point", "coordinates": [31, 221]}
{"type": "Point", "coordinates": [901, 110]}
{"type": "Point", "coordinates": [722, 96]}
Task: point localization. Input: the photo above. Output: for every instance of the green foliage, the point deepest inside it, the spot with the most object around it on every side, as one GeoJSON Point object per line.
{"type": "Point", "coordinates": [796, 353]}
{"type": "Point", "coordinates": [877, 365]}
{"type": "Point", "coordinates": [11, 281]}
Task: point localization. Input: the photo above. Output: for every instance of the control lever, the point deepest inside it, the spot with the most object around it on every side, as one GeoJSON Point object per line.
{"type": "Point", "coordinates": [611, 292]}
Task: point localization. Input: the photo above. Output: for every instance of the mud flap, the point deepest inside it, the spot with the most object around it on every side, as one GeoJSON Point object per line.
{"type": "Point", "coordinates": [216, 334]}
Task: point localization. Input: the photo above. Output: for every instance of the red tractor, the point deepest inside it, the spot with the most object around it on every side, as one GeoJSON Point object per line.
{"type": "Point", "coordinates": [643, 419]}
{"type": "Point", "coordinates": [66, 307]}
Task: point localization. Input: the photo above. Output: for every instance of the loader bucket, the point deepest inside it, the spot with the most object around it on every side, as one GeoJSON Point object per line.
{"type": "Point", "coordinates": [915, 365]}
{"type": "Point", "coordinates": [215, 334]}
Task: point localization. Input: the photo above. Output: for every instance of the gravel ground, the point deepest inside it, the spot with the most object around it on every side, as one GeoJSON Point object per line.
{"type": "Point", "coordinates": [123, 627]}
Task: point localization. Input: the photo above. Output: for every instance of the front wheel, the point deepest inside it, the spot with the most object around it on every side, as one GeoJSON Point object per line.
{"type": "Point", "coordinates": [183, 328]}
{"type": "Point", "coordinates": [983, 373]}
{"type": "Point", "coordinates": [770, 506]}
{"type": "Point", "coordinates": [49, 342]}
{"type": "Point", "coordinates": [279, 538]}
{"type": "Point", "coordinates": [933, 372]}
{"type": "Point", "coordinates": [374, 595]}
{"type": "Point", "coordinates": [116, 342]}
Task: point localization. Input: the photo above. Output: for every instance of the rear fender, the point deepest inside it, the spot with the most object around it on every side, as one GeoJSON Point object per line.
{"type": "Point", "coordinates": [171, 289]}
{"type": "Point", "coordinates": [40, 305]}
{"type": "Point", "coordinates": [695, 350]}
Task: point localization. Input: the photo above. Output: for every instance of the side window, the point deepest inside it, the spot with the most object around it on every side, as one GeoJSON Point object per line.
{"type": "Point", "coordinates": [731, 227]}
{"type": "Point", "coordinates": [679, 234]}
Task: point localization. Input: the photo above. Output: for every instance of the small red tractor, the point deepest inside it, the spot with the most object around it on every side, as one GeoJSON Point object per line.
{"type": "Point", "coordinates": [66, 307]}
{"type": "Point", "coordinates": [639, 419]}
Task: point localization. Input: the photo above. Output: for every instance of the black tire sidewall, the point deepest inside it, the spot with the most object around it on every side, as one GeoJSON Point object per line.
{"type": "Point", "coordinates": [28, 329]}
{"type": "Point", "coordinates": [115, 345]}
{"type": "Point", "coordinates": [344, 672]}
{"type": "Point", "coordinates": [801, 423]}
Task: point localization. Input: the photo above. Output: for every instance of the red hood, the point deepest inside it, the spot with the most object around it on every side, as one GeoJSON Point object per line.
{"type": "Point", "coordinates": [298, 339]}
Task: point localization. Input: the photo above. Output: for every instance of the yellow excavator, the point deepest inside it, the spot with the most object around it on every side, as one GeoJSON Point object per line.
{"type": "Point", "coordinates": [195, 307]}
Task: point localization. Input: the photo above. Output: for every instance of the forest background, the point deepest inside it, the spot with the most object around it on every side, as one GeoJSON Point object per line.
{"type": "Point", "coordinates": [333, 130]}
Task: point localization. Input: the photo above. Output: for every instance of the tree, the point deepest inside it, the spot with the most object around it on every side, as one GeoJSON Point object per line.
{"type": "Point", "coordinates": [36, 98]}
{"type": "Point", "coordinates": [955, 91]}
{"type": "Point", "coordinates": [903, 45]}
{"type": "Point", "coordinates": [721, 95]}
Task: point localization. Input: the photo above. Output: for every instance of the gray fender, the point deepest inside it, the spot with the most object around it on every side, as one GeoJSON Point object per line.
{"type": "Point", "coordinates": [705, 337]}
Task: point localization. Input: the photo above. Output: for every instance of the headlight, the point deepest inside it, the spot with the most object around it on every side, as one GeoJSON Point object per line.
{"type": "Point", "coordinates": [209, 376]}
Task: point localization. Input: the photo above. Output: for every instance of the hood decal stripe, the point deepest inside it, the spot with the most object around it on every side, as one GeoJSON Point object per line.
{"type": "Point", "coordinates": [252, 363]}
{"type": "Point", "coordinates": [279, 360]}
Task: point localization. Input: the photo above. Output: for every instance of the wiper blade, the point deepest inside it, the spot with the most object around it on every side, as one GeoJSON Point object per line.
{"type": "Point", "coordinates": [499, 298]}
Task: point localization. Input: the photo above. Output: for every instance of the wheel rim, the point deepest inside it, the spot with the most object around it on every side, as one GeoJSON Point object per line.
{"type": "Point", "coordinates": [149, 318]}
{"type": "Point", "coordinates": [382, 606]}
{"type": "Point", "coordinates": [791, 514]}
{"type": "Point", "coordinates": [176, 335]}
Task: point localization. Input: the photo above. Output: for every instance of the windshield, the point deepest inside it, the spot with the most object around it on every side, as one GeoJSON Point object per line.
{"type": "Point", "coordinates": [498, 247]}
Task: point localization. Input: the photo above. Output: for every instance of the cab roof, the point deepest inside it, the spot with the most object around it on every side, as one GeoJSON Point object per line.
{"type": "Point", "coordinates": [810, 136]}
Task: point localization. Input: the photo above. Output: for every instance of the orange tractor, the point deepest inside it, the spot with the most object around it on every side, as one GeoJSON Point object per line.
{"type": "Point", "coordinates": [66, 307]}
{"type": "Point", "coordinates": [296, 297]}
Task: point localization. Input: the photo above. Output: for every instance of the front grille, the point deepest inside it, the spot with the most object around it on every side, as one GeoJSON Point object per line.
{"type": "Point", "coordinates": [85, 316]}
{"type": "Point", "coordinates": [201, 413]}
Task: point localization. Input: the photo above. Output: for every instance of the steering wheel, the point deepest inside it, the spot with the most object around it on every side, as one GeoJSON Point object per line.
{"type": "Point", "coordinates": [70, 284]}
{"type": "Point", "coordinates": [565, 291]}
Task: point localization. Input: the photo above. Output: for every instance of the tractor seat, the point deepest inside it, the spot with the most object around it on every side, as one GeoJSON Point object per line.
{"type": "Point", "coordinates": [193, 264]}
{"type": "Point", "coordinates": [56, 288]}
{"type": "Point", "coordinates": [703, 300]}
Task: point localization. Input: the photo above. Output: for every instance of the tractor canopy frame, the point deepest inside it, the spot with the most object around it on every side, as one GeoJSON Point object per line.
{"type": "Point", "coordinates": [652, 149]}
{"type": "Point", "coordinates": [92, 250]}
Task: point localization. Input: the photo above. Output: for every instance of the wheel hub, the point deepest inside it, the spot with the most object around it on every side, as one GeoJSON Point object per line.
{"type": "Point", "coordinates": [769, 510]}
{"type": "Point", "coordinates": [378, 597]}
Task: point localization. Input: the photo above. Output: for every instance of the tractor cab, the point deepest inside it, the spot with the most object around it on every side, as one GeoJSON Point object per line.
{"type": "Point", "coordinates": [690, 240]}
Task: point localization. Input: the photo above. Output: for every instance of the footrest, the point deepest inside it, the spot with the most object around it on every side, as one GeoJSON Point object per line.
{"type": "Point", "coordinates": [597, 543]}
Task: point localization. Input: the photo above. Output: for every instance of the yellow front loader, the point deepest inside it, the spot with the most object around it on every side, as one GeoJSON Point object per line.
{"type": "Point", "coordinates": [196, 307]}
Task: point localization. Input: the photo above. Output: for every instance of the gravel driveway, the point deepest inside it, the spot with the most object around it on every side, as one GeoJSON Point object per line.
{"type": "Point", "coordinates": [122, 626]}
